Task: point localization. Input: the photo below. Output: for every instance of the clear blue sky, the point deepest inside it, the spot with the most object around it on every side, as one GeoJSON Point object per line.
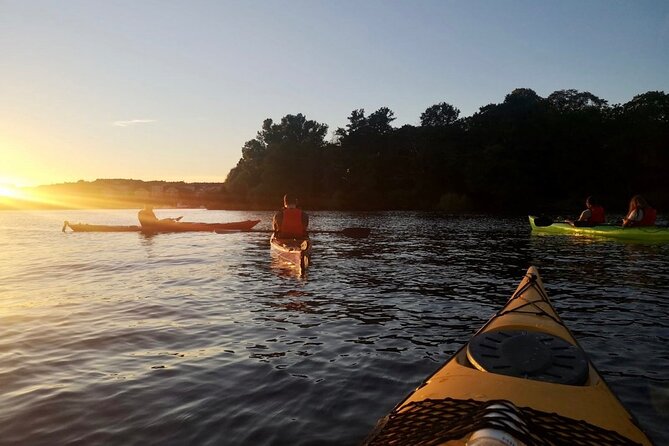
{"type": "Point", "coordinates": [172, 89]}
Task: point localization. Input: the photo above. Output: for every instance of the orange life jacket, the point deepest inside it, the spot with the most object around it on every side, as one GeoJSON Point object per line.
{"type": "Point", "coordinates": [649, 216]}
{"type": "Point", "coordinates": [597, 216]}
{"type": "Point", "coordinates": [291, 223]}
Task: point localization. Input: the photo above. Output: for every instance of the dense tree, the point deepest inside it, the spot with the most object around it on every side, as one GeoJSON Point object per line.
{"type": "Point", "coordinates": [524, 154]}
{"type": "Point", "coordinates": [284, 157]}
{"type": "Point", "coordinates": [650, 106]}
{"type": "Point", "coordinates": [573, 100]}
{"type": "Point", "coordinates": [359, 126]}
{"type": "Point", "coordinates": [380, 120]}
{"type": "Point", "coordinates": [439, 115]}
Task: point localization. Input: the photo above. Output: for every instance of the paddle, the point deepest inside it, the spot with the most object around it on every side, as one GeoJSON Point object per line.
{"type": "Point", "coordinates": [547, 221]}
{"type": "Point", "coordinates": [346, 232]}
{"type": "Point", "coordinates": [543, 221]}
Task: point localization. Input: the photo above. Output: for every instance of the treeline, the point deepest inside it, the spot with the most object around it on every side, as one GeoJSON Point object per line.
{"type": "Point", "coordinates": [526, 154]}
{"type": "Point", "coordinates": [113, 194]}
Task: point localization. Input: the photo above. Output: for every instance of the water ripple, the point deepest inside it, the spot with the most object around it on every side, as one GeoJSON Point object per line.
{"type": "Point", "coordinates": [124, 339]}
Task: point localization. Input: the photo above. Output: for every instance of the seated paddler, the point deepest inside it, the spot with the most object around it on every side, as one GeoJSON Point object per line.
{"type": "Point", "coordinates": [147, 217]}
{"type": "Point", "coordinates": [593, 215]}
{"type": "Point", "coordinates": [291, 221]}
{"type": "Point", "coordinates": [640, 213]}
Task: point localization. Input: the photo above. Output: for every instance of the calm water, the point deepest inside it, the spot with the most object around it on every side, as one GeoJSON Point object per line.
{"type": "Point", "coordinates": [203, 339]}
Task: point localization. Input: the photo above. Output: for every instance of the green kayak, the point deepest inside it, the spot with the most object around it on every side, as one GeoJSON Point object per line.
{"type": "Point", "coordinates": [647, 233]}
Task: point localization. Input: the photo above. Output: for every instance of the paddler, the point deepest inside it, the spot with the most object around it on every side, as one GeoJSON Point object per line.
{"type": "Point", "coordinates": [640, 213]}
{"type": "Point", "coordinates": [594, 214]}
{"type": "Point", "coordinates": [291, 221]}
{"type": "Point", "coordinates": [147, 217]}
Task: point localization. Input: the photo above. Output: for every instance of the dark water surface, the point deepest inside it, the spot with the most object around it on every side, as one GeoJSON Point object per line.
{"type": "Point", "coordinates": [203, 339]}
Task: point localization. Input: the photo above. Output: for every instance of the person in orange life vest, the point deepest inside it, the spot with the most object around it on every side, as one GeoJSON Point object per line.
{"type": "Point", "coordinates": [291, 221]}
{"type": "Point", "coordinates": [640, 213]}
{"type": "Point", "coordinates": [594, 214]}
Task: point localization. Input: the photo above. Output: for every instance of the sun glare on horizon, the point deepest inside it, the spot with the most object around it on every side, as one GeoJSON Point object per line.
{"type": "Point", "coordinates": [8, 192]}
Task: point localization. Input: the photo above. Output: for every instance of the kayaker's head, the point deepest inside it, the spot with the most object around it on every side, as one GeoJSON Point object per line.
{"type": "Point", "coordinates": [289, 201]}
{"type": "Point", "coordinates": [591, 201]}
{"type": "Point", "coordinates": [638, 202]}
{"type": "Point", "coordinates": [148, 207]}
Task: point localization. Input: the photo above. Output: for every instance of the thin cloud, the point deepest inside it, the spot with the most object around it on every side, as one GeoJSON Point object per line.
{"type": "Point", "coordinates": [133, 122]}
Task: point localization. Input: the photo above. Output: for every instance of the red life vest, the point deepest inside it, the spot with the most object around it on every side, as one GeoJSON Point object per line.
{"type": "Point", "coordinates": [649, 216]}
{"type": "Point", "coordinates": [291, 223]}
{"type": "Point", "coordinates": [597, 215]}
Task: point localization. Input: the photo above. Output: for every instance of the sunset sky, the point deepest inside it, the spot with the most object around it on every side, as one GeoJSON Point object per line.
{"type": "Point", "coordinates": [172, 89]}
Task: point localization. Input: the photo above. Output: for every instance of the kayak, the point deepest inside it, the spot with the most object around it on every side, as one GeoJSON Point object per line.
{"type": "Point", "coordinates": [646, 233]}
{"type": "Point", "coordinates": [83, 227]}
{"type": "Point", "coordinates": [296, 251]}
{"type": "Point", "coordinates": [522, 379]}
{"type": "Point", "coordinates": [166, 226]}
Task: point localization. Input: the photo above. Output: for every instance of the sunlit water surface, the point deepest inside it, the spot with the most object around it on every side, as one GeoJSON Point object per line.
{"type": "Point", "coordinates": [204, 339]}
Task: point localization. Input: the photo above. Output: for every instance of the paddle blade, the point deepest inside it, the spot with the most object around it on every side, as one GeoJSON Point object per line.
{"type": "Point", "coordinates": [356, 232]}
{"type": "Point", "coordinates": [543, 221]}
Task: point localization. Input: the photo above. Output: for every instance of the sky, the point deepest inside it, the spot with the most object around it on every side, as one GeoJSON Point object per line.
{"type": "Point", "coordinates": [171, 90]}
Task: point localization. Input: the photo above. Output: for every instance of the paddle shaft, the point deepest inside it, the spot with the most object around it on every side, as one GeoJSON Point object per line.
{"type": "Point", "coordinates": [547, 221]}
{"type": "Point", "coordinates": [347, 232]}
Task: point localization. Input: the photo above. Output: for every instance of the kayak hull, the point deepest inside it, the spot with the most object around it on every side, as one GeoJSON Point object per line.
{"type": "Point", "coordinates": [84, 227]}
{"type": "Point", "coordinates": [167, 226]}
{"type": "Point", "coordinates": [461, 380]}
{"type": "Point", "coordinates": [296, 252]}
{"type": "Point", "coordinates": [647, 233]}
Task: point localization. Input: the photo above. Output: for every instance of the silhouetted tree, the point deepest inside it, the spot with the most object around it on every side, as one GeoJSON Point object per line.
{"type": "Point", "coordinates": [573, 100]}
{"type": "Point", "coordinates": [439, 115]}
{"type": "Point", "coordinates": [650, 106]}
{"type": "Point", "coordinates": [525, 153]}
{"type": "Point", "coordinates": [380, 120]}
{"type": "Point", "coordinates": [284, 157]}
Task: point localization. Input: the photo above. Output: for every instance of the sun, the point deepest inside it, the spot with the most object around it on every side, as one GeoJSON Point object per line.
{"type": "Point", "coordinates": [9, 193]}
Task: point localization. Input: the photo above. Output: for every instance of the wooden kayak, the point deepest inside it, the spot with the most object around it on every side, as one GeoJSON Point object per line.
{"type": "Point", "coordinates": [522, 379]}
{"type": "Point", "coordinates": [166, 226]}
{"type": "Point", "coordinates": [296, 251]}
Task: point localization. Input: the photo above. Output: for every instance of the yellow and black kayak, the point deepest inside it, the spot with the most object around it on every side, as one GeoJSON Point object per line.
{"type": "Point", "coordinates": [522, 379]}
